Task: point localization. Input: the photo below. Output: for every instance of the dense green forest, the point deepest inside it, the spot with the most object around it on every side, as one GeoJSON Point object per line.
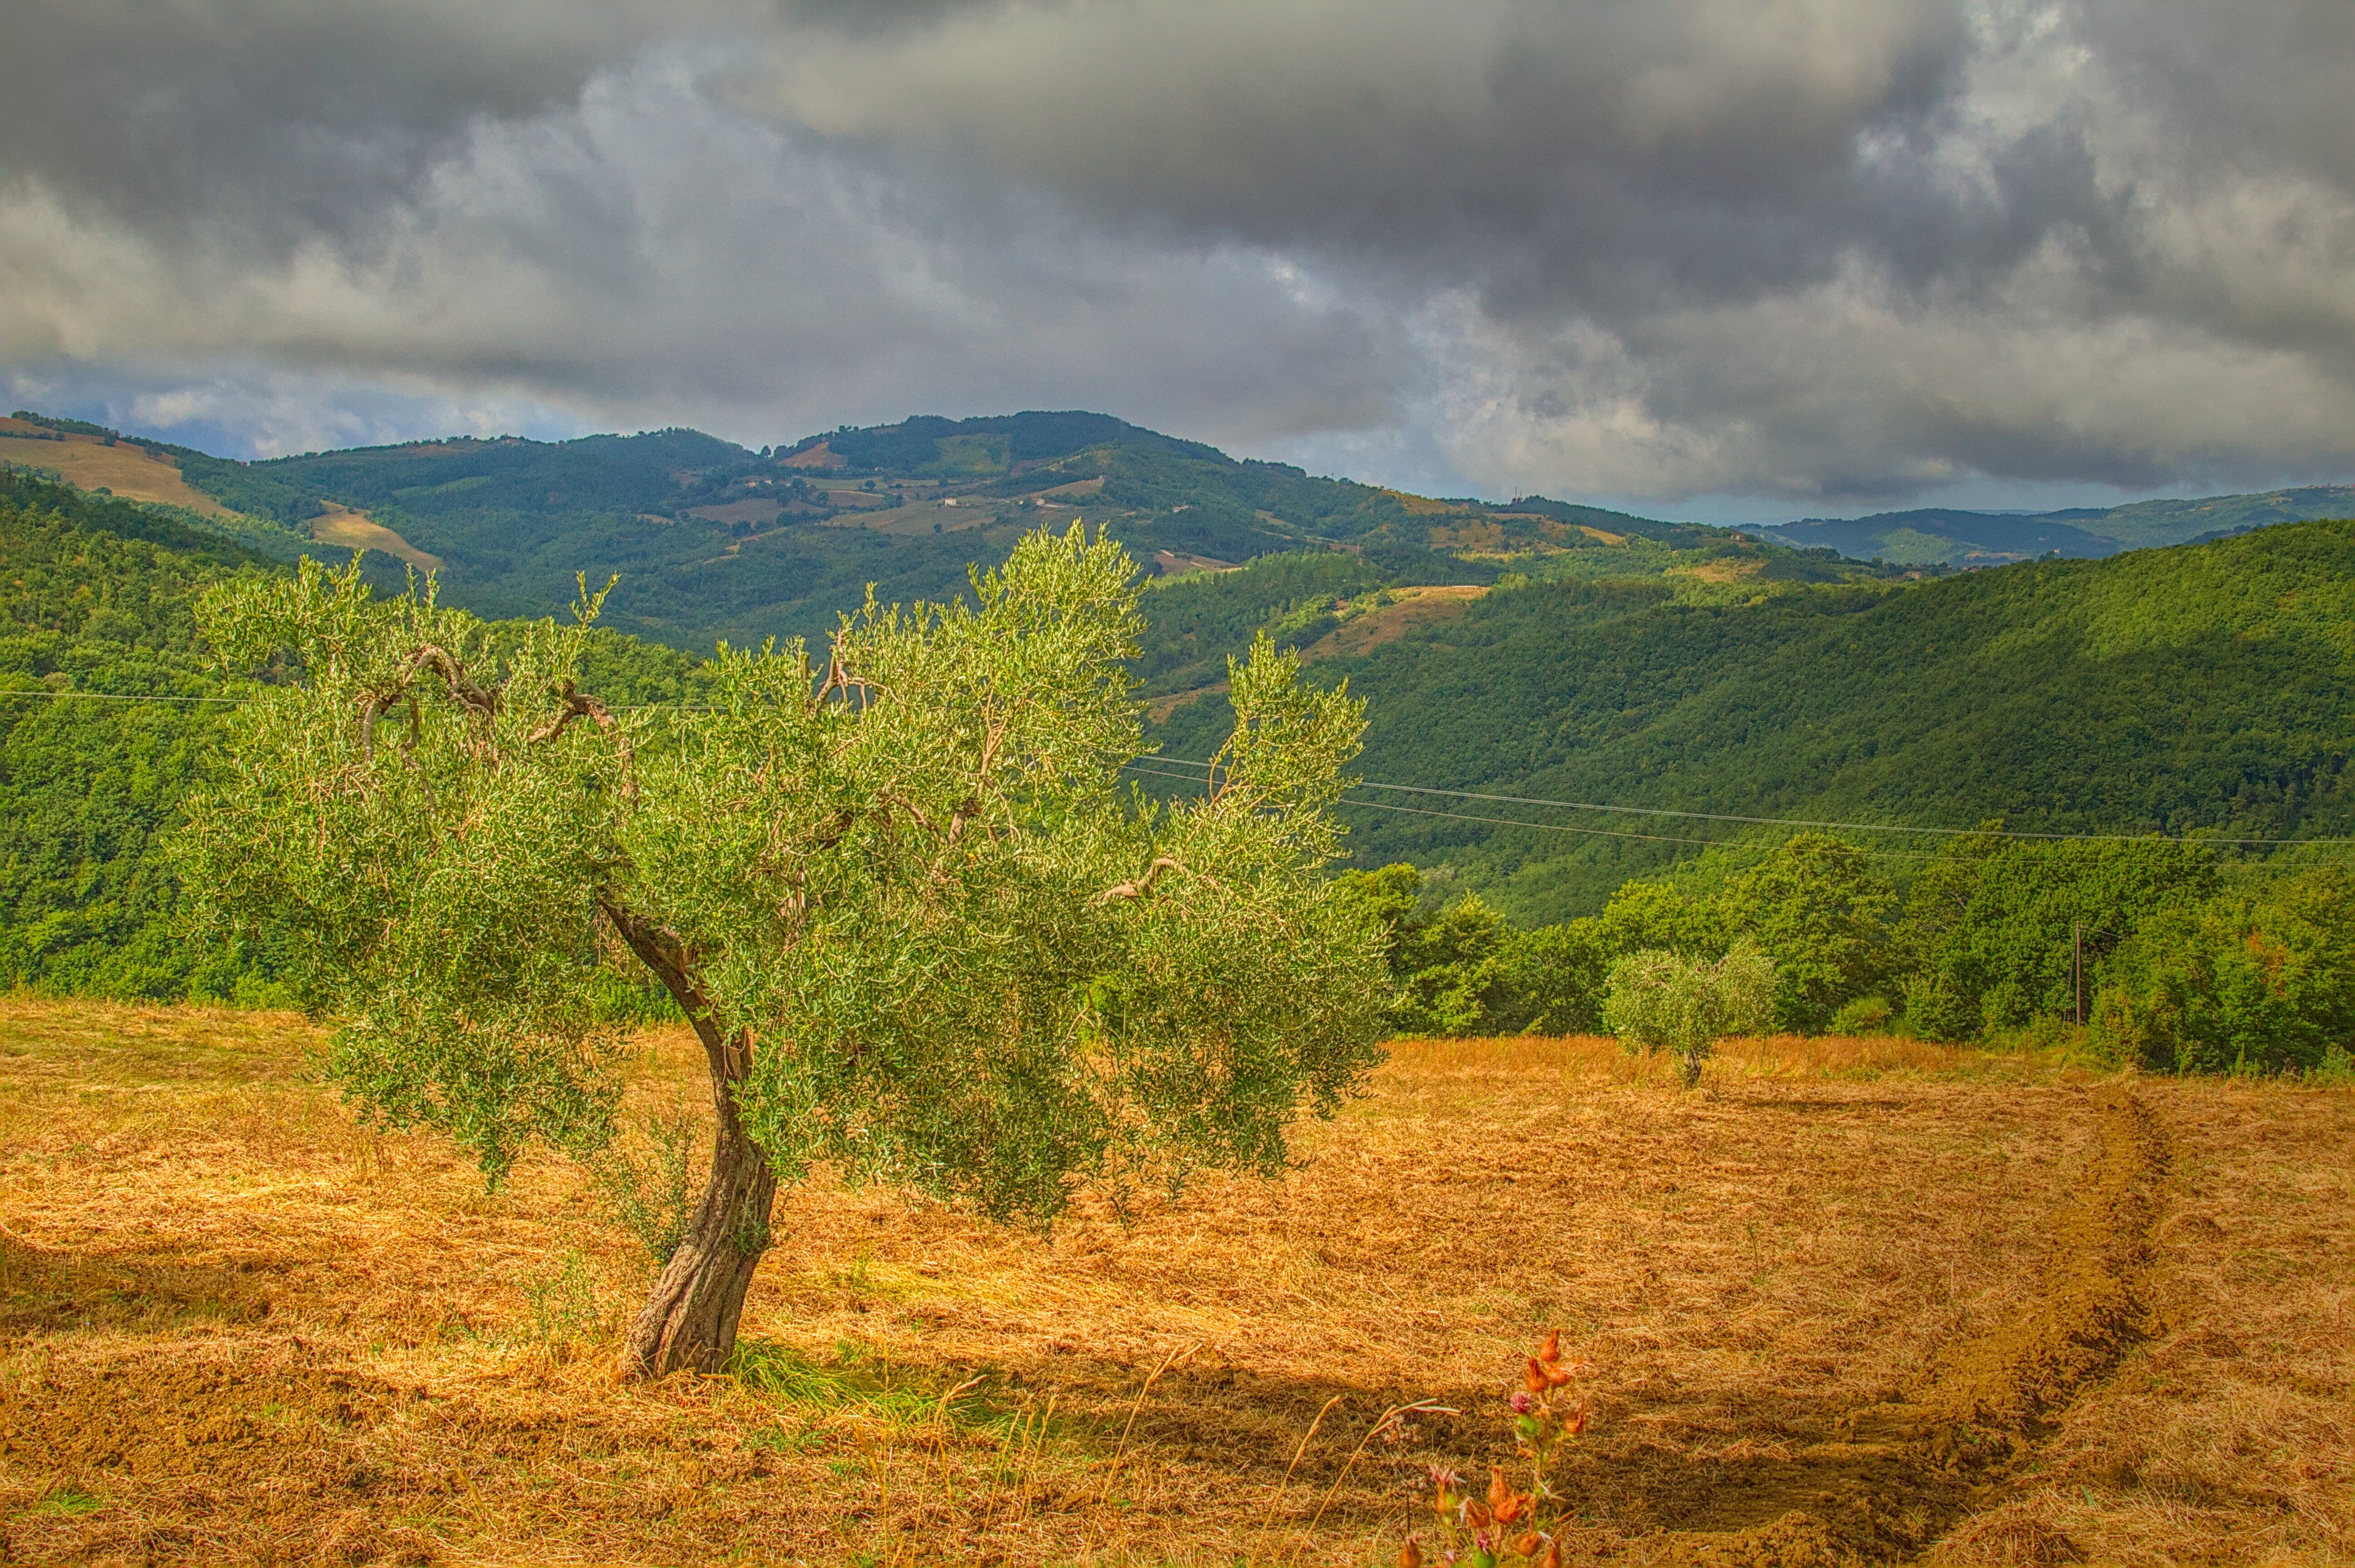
{"type": "Point", "coordinates": [2199, 693]}
{"type": "Point", "coordinates": [2174, 957]}
{"type": "Point", "coordinates": [97, 600]}
{"type": "Point", "coordinates": [1569, 656]}
{"type": "Point", "coordinates": [96, 603]}
{"type": "Point", "coordinates": [2203, 689]}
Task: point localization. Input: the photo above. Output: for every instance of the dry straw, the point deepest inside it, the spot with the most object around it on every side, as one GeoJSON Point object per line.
{"type": "Point", "coordinates": [235, 1325]}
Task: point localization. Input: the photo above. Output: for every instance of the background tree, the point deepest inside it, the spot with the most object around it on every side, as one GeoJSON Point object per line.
{"type": "Point", "coordinates": [1659, 1000]}
{"type": "Point", "coordinates": [1992, 927]}
{"type": "Point", "coordinates": [2261, 980]}
{"type": "Point", "coordinates": [1654, 914]}
{"type": "Point", "coordinates": [921, 930]}
{"type": "Point", "coordinates": [1816, 904]}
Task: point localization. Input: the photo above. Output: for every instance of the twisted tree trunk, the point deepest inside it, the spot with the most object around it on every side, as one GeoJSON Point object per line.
{"type": "Point", "coordinates": [690, 1320]}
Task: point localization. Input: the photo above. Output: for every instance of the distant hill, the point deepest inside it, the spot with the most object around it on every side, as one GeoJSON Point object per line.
{"type": "Point", "coordinates": [1950, 538]}
{"type": "Point", "coordinates": [1532, 646]}
{"type": "Point", "coordinates": [711, 539]}
{"type": "Point", "coordinates": [2146, 523]}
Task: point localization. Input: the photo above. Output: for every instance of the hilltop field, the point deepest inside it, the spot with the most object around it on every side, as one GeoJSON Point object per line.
{"type": "Point", "coordinates": [1852, 1299]}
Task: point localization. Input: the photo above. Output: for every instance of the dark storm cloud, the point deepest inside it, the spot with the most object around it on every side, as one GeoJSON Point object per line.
{"type": "Point", "coordinates": [281, 116]}
{"type": "Point", "coordinates": [512, 207]}
{"type": "Point", "coordinates": [1575, 148]}
{"type": "Point", "coordinates": [1823, 250]}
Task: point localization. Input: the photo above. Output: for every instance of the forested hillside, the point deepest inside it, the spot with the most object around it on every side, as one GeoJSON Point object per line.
{"type": "Point", "coordinates": [97, 597]}
{"type": "Point", "coordinates": [2198, 692]}
{"type": "Point", "coordinates": [1948, 536]}
{"type": "Point", "coordinates": [96, 607]}
{"type": "Point", "coordinates": [2200, 689]}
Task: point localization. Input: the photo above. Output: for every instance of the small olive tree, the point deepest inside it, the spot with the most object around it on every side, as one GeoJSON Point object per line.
{"type": "Point", "coordinates": [919, 927]}
{"type": "Point", "coordinates": [1658, 1001]}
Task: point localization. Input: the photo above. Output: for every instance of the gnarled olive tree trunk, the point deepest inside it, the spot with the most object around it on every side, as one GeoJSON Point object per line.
{"type": "Point", "coordinates": [690, 1320]}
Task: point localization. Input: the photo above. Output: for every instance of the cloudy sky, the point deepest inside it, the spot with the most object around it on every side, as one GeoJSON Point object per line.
{"type": "Point", "coordinates": [1709, 258]}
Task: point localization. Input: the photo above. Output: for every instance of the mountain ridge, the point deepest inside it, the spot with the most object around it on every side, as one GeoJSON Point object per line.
{"type": "Point", "coordinates": [995, 458]}
{"type": "Point", "coordinates": [1954, 537]}
{"type": "Point", "coordinates": [713, 540]}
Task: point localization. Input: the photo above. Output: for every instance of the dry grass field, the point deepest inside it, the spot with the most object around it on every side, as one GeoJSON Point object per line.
{"type": "Point", "coordinates": [1849, 1300]}
{"type": "Point", "coordinates": [339, 525]}
{"type": "Point", "coordinates": [1409, 608]}
{"type": "Point", "coordinates": [125, 467]}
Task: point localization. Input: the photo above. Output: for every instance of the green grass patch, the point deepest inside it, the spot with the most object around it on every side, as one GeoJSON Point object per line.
{"type": "Point", "coordinates": [68, 1501]}
{"type": "Point", "coordinates": [853, 1382]}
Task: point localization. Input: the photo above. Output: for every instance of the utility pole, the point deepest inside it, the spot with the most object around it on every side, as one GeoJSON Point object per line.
{"type": "Point", "coordinates": [2077, 967]}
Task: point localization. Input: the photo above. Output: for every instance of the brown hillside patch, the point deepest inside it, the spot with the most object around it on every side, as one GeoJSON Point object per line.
{"type": "Point", "coordinates": [920, 515]}
{"type": "Point", "coordinates": [1424, 507]}
{"type": "Point", "coordinates": [339, 525]}
{"type": "Point", "coordinates": [1719, 570]}
{"type": "Point", "coordinates": [850, 495]}
{"type": "Point", "coordinates": [1169, 563]}
{"type": "Point", "coordinates": [1555, 529]}
{"type": "Point", "coordinates": [819, 456]}
{"type": "Point", "coordinates": [1410, 608]}
{"type": "Point", "coordinates": [126, 468]}
{"type": "Point", "coordinates": [1474, 534]}
{"type": "Point", "coordinates": [234, 1326]}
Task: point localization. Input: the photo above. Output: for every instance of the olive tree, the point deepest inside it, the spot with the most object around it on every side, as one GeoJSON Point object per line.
{"type": "Point", "coordinates": [920, 928]}
{"type": "Point", "coordinates": [1658, 1000]}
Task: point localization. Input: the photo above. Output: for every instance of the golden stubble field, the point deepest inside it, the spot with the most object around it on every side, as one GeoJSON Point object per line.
{"type": "Point", "coordinates": [125, 467]}
{"type": "Point", "coordinates": [1852, 1300]}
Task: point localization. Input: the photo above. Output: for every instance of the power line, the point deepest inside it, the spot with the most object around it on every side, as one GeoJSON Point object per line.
{"type": "Point", "coordinates": [124, 697]}
{"type": "Point", "coordinates": [1462, 816]}
{"type": "Point", "coordinates": [1793, 821]}
{"type": "Point", "coordinates": [1544, 827]}
{"type": "Point", "coordinates": [1471, 795]}
{"type": "Point", "coordinates": [1515, 822]}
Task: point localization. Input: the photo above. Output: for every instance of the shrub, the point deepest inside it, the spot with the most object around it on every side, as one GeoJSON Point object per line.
{"type": "Point", "coordinates": [1937, 1009]}
{"type": "Point", "coordinates": [1444, 956]}
{"type": "Point", "coordinates": [1653, 914]}
{"type": "Point", "coordinates": [1866, 1015]}
{"type": "Point", "coordinates": [1445, 965]}
{"type": "Point", "coordinates": [1550, 979]}
{"type": "Point", "coordinates": [1660, 1001]}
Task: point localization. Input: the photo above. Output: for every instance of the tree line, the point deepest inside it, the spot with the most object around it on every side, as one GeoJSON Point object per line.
{"type": "Point", "coordinates": [2174, 957]}
{"type": "Point", "coordinates": [2192, 957]}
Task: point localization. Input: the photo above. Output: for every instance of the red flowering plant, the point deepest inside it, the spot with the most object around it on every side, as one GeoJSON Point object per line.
{"type": "Point", "coordinates": [1507, 1524]}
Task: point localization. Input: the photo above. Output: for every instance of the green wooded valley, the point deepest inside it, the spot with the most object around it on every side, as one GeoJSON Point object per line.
{"type": "Point", "coordinates": [1537, 651]}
